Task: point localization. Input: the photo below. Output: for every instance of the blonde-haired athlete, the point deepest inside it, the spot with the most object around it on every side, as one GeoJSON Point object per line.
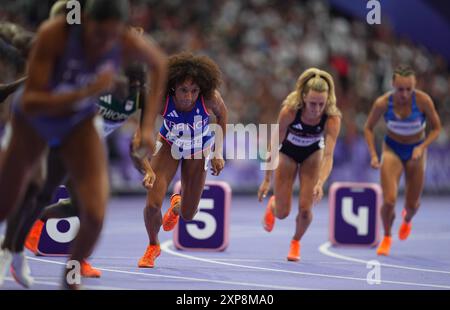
{"type": "Point", "coordinates": [309, 124]}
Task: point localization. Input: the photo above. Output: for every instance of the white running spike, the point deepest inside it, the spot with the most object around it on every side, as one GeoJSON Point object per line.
{"type": "Point", "coordinates": [5, 263]}
{"type": "Point", "coordinates": [20, 270]}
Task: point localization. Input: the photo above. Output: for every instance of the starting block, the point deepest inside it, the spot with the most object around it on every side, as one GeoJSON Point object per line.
{"type": "Point", "coordinates": [58, 234]}
{"type": "Point", "coordinates": [208, 231]}
{"type": "Point", "coordinates": [354, 213]}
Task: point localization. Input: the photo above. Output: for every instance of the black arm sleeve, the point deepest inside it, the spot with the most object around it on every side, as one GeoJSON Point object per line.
{"type": "Point", "coordinates": [8, 89]}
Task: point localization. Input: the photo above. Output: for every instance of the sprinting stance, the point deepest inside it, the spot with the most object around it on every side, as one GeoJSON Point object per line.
{"type": "Point", "coordinates": [185, 137]}
{"type": "Point", "coordinates": [309, 124]}
{"type": "Point", "coordinates": [405, 110]}
{"type": "Point", "coordinates": [115, 108]}
{"type": "Point", "coordinates": [69, 67]}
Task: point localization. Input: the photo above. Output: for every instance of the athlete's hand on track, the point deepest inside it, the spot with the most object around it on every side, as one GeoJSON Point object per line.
{"type": "Point", "coordinates": [146, 147]}
{"type": "Point", "coordinates": [149, 179]}
{"type": "Point", "coordinates": [374, 163]}
{"type": "Point", "coordinates": [418, 152]}
{"type": "Point", "coordinates": [317, 193]}
{"type": "Point", "coordinates": [263, 190]}
{"type": "Point", "coordinates": [217, 165]}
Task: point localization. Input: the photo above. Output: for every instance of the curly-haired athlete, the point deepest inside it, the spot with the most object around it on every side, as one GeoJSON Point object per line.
{"type": "Point", "coordinates": [185, 137]}
{"type": "Point", "coordinates": [405, 111]}
{"type": "Point", "coordinates": [309, 126]}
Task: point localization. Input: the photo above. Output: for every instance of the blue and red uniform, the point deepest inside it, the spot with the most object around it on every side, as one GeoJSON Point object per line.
{"type": "Point", "coordinates": [411, 125]}
{"type": "Point", "coordinates": [189, 131]}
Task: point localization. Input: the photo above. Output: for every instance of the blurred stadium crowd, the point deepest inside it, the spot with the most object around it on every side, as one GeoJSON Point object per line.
{"type": "Point", "coordinates": [262, 46]}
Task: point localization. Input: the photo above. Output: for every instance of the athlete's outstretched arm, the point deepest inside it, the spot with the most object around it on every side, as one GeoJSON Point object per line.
{"type": "Point", "coordinates": [218, 107]}
{"type": "Point", "coordinates": [378, 108]}
{"type": "Point", "coordinates": [138, 82]}
{"type": "Point", "coordinates": [145, 50]}
{"type": "Point", "coordinates": [431, 114]}
{"type": "Point", "coordinates": [141, 164]}
{"type": "Point", "coordinates": [332, 129]}
{"type": "Point", "coordinates": [137, 78]}
{"type": "Point", "coordinates": [285, 118]}
{"type": "Point", "coordinates": [220, 110]}
{"type": "Point", "coordinates": [137, 161]}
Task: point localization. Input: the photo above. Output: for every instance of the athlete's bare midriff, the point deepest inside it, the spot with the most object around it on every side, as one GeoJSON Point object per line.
{"type": "Point", "coordinates": [407, 139]}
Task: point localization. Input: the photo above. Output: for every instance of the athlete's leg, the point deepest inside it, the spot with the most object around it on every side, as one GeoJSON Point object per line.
{"type": "Point", "coordinates": [12, 258]}
{"type": "Point", "coordinates": [165, 167]}
{"type": "Point", "coordinates": [56, 174]}
{"type": "Point", "coordinates": [284, 178]}
{"type": "Point", "coordinates": [308, 175]}
{"type": "Point", "coordinates": [22, 157]}
{"type": "Point", "coordinates": [414, 182]}
{"type": "Point", "coordinates": [18, 218]}
{"type": "Point", "coordinates": [279, 205]}
{"type": "Point", "coordinates": [20, 161]}
{"type": "Point", "coordinates": [83, 153]}
{"type": "Point", "coordinates": [391, 171]}
{"type": "Point", "coordinates": [193, 175]}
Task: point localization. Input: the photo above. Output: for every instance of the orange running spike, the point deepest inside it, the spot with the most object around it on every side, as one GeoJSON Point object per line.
{"type": "Point", "coordinates": [170, 219]}
{"type": "Point", "coordinates": [88, 271]}
{"type": "Point", "coordinates": [148, 260]}
{"type": "Point", "coordinates": [404, 231]}
{"type": "Point", "coordinates": [385, 246]}
{"type": "Point", "coordinates": [294, 251]}
{"type": "Point", "coordinates": [32, 240]}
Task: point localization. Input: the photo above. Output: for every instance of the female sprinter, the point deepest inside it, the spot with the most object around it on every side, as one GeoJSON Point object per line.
{"type": "Point", "coordinates": [69, 67]}
{"type": "Point", "coordinates": [405, 110]}
{"type": "Point", "coordinates": [185, 138]}
{"type": "Point", "coordinates": [115, 109]}
{"type": "Point", "coordinates": [309, 124]}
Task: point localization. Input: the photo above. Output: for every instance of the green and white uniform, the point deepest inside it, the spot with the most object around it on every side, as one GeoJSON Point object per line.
{"type": "Point", "coordinates": [114, 112]}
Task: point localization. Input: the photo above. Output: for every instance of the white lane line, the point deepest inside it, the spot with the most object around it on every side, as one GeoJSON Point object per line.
{"type": "Point", "coordinates": [165, 246]}
{"type": "Point", "coordinates": [248, 260]}
{"type": "Point", "coordinates": [251, 260]}
{"type": "Point", "coordinates": [266, 286]}
{"type": "Point", "coordinates": [325, 250]}
{"type": "Point", "coordinates": [34, 282]}
{"type": "Point", "coordinates": [49, 283]}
